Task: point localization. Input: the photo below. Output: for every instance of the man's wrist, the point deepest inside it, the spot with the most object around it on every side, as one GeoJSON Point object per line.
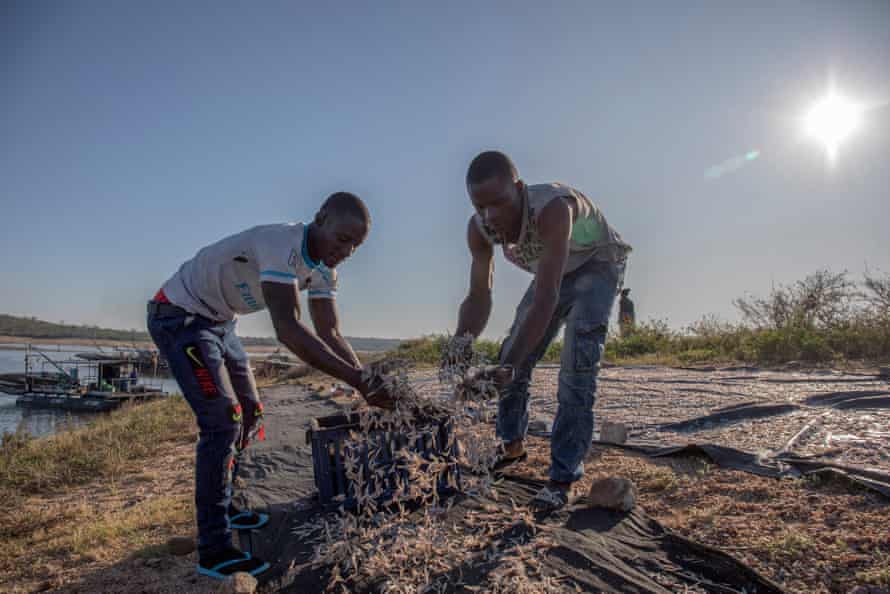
{"type": "Point", "coordinates": [356, 378]}
{"type": "Point", "coordinates": [504, 374]}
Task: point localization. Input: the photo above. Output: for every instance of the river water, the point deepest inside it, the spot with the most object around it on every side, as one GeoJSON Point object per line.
{"type": "Point", "coordinates": [40, 422]}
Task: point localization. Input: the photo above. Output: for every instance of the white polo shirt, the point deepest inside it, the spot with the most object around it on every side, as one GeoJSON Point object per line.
{"type": "Point", "coordinates": [223, 280]}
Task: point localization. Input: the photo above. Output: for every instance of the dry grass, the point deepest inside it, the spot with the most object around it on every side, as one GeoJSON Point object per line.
{"type": "Point", "coordinates": [105, 449]}
{"type": "Point", "coordinates": [92, 497]}
{"type": "Point", "coordinates": [75, 535]}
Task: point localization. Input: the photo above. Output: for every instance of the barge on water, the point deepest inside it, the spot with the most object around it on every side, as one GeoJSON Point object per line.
{"type": "Point", "coordinates": [90, 382]}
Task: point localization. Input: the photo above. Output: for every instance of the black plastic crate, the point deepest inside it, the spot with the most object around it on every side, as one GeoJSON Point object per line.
{"type": "Point", "coordinates": [329, 436]}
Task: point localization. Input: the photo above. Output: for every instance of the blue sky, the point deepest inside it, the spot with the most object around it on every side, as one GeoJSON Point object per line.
{"type": "Point", "coordinates": [135, 133]}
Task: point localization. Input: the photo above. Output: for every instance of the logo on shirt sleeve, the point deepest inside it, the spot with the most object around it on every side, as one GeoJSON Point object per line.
{"type": "Point", "coordinates": [247, 296]}
{"type": "Point", "coordinates": [292, 260]}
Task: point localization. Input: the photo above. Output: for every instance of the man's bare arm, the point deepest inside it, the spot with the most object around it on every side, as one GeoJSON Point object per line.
{"type": "Point", "coordinates": [327, 325]}
{"type": "Point", "coordinates": [554, 226]}
{"type": "Point", "coordinates": [476, 307]}
{"type": "Point", "coordinates": [284, 307]}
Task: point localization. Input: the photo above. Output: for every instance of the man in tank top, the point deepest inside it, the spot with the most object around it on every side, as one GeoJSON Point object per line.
{"type": "Point", "coordinates": [561, 237]}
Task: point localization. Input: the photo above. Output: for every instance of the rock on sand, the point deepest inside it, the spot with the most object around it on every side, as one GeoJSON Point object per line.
{"type": "Point", "coordinates": [238, 583]}
{"type": "Point", "coordinates": [613, 493]}
{"type": "Point", "coordinates": [613, 432]}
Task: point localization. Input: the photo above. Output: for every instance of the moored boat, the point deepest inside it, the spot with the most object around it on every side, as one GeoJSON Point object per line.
{"type": "Point", "coordinates": [97, 383]}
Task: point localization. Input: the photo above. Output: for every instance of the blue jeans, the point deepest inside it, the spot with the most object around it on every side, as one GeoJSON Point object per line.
{"type": "Point", "coordinates": [586, 296]}
{"type": "Point", "coordinates": [213, 371]}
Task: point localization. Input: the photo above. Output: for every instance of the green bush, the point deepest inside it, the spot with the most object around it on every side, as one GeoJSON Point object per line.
{"type": "Point", "coordinates": [815, 348]}
{"type": "Point", "coordinates": [647, 338]}
{"type": "Point", "coordinates": [698, 355]}
{"type": "Point", "coordinates": [774, 346]}
{"type": "Point", "coordinates": [427, 350]}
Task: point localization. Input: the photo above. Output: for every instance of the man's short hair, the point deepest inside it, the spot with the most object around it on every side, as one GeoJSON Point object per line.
{"type": "Point", "coordinates": [343, 204]}
{"type": "Point", "coordinates": [491, 164]}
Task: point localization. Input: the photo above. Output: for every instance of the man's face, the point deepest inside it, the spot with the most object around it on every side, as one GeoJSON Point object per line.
{"type": "Point", "coordinates": [338, 238]}
{"type": "Point", "coordinates": [498, 202]}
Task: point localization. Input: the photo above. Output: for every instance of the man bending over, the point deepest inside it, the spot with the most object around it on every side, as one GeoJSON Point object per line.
{"type": "Point", "coordinates": [560, 236]}
{"type": "Point", "coordinates": [192, 321]}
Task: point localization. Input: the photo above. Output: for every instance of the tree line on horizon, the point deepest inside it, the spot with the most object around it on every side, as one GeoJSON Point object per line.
{"type": "Point", "coordinates": [33, 327]}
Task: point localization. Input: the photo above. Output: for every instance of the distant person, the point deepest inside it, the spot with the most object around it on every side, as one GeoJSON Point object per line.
{"type": "Point", "coordinates": [560, 236]}
{"type": "Point", "coordinates": [192, 321]}
{"type": "Point", "coordinates": [627, 316]}
{"type": "Point", "coordinates": [133, 379]}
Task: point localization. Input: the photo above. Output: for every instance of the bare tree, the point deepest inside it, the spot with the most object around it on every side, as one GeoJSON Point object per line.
{"type": "Point", "coordinates": [877, 295]}
{"type": "Point", "coordinates": [825, 298]}
{"type": "Point", "coordinates": [822, 299]}
{"type": "Point", "coordinates": [774, 311]}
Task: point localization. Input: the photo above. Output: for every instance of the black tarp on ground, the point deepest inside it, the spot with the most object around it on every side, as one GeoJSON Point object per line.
{"type": "Point", "coordinates": [847, 400]}
{"type": "Point", "coordinates": [600, 551]}
{"type": "Point", "coordinates": [740, 412]}
{"type": "Point", "coordinates": [784, 466]}
{"type": "Point", "coordinates": [746, 411]}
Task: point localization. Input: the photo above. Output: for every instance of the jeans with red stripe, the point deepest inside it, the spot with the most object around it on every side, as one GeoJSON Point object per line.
{"type": "Point", "coordinates": [213, 372]}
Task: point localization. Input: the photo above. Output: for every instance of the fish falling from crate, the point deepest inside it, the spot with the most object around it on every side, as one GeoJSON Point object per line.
{"type": "Point", "coordinates": [371, 458]}
{"type": "Point", "coordinates": [355, 468]}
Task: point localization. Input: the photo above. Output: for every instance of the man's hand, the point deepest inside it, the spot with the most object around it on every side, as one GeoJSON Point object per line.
{"type": "Point", "coordinates": [500, 375]}
{"type": "Point", "coordinates": [487, 383]}
{"type": "Point", "coordinates": [376, 392]}
{"type": "Point", "coordinates": [252, 427]}
{"type": "Point", "coordinates": [457, 355]}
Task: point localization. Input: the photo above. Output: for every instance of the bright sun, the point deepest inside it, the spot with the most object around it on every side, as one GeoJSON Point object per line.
{"type": "Point", "coordinates": [832, 120]}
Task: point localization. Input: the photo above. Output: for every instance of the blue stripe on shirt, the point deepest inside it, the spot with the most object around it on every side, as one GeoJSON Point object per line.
{"type": "Point", "coordinates": [276, 273]}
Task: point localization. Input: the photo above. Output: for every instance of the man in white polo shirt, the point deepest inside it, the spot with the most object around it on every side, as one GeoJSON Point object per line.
{"type": "Point", "coordinates": [192, 321]}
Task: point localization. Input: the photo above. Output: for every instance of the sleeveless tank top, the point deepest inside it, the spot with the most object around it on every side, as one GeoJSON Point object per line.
{"type": "Point", "coordinates": [592, 237]}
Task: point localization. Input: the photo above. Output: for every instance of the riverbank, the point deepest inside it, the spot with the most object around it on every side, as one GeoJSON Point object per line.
{"type": "Point", "coordinates": [92, 509]}
{"type": "Point", "coordinates": [21, 342]}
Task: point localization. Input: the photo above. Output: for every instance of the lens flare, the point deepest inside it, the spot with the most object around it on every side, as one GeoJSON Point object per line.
{"type": "Point", "coordinates": [732, 164]}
